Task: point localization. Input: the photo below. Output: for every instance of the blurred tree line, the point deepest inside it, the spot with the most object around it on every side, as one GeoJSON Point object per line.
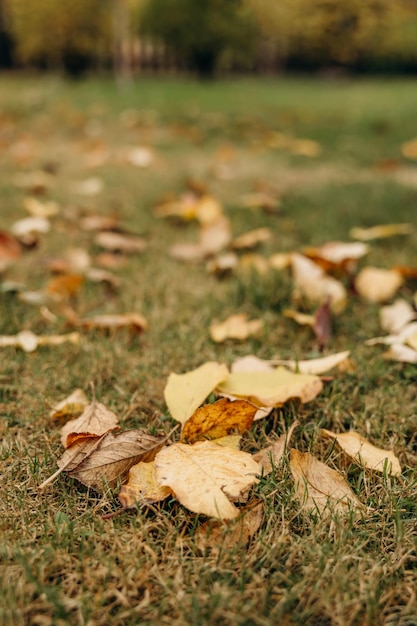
{"type": "Point", "coordinates": [209, 35]}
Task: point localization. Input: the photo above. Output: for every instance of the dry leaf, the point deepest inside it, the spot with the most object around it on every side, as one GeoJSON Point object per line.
{"type": "Point", "coordinates": [216, 536]}
{"type": "Point", "coordinates": [272, 455]}
{"type": "Point", "coordinates": [119, 242]}
{"type": "Point", "coordinates": [318, 487]}
{"type": "Point", "coordinates": [40, 209]}
{"type": "Point", "coordinates": [314, 366]}
{"type": "Point", "coordinates": [29, 342]}
{"type": "Point", "coordinates": [235, 327]}
{"type": "Point", "coordinates": [376, 284]}
{"type": "Point", "coordinates": [111, 459]}
{"type": "Point", "coordinates": [98, 222]}
{"type": "Point", "coordinates": [10, 250]}
{"type": "Point", "coordinates": [395, 316]}
{"type": "Point", "coordinates": [114, 321]}
{"type": "Point", "coordinates": [280, 260]}
{"type": "Point", "coordinates": [89, 187]}
{"type": "Point", "coordinates": [251, 363]}
{"type": "Point", "coordinates": [364, 453]}
{"type": "Point", "coordinates": [64, 287]}
{"type": "Point", "coordinates": [312, 282]}
{"type": "Point", "coordinates": [203, 476]}
{"type": "Point", "coordinates": [69, 408]}
{"type": "Point", "coordinates": [401, 353]}
{"type": "Point", "coordinates": [251, 239]}
{"type": "Point", "coordinates": [401, 337]}
{"type": "Point", "coordinates": [184, 393]}
{"type": "Point", "coordinates": [29, 226]}
{"type": "Point", "coordinates": [95, 420]}
{"type": "Point", "coordinates": [223, 264]}
{"type": "Point", "coordinates": [381, 231]}
{"type": "Point", "coordinates": [140, 156]}
{"type": "Point", "coordinates": [219, 419]}
{"type": "Point", "coordinates": [142, 486]}
{"type": "Point", "coordinates": [337, 254]}
{"type": "Point", "coordinates": [215, 235]}
{"type": "Point", "coordinates": [323, 324]}
{"type": "Point", "coordinates": [272, 388]}
{"type": "Point", "coordinates": [304, 319]}
{"type": "Point", "coordinates": [254, 263]}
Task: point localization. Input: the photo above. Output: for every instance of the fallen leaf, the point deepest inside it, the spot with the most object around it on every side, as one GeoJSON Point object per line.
{"type": "Point", "coordinates": [89, 187]}
{"type": "Point", "coordinates": [409, 149]}
{"type": "Point", "coordinates": [235, 327]}
{"type": "Point", "coordinates": [37, 208]}
{"type": "Point", "coordinates": [30, 225]}
{"type": "Point", "coordinates": [251, 363]}
{"type": "Point", "coordinates": [184, 393]}
{"type": "Point", "coordinates": [395, 316]}
{"type": "Point", "coordinates": [208, 210]}
{"type": "Point", "coordinates": [223, 264]}
{"type": "Point", "coordinates": [95, 420]}
{"type": "Point", "coordinates": [364, 453]}
{"type": "Point", "coordinates": [304, 319]}
{"type": "Point", "coordinates": [254, 263]}
{"type": "Point", "coordinates": [311, 281]}
{"type": "Point", "coordinates": [119, 242]}
{"type": "Point", "coordinates": [401, 353]}
{"type": "Point", "coordinates": [272, 388]}
{"type": "Point", "coordinates": [114, 322]}
{"type": "Point", "coordinates": [110, 460]}
{"type": "Point", "coordinates": [70, 407]}
{"type": "Point", "coordinates": [64, 287]}
{"type": "Point", "coordinates": [381, 231]}
{"type": "Point", "coordinates": [215, 235]}
{"type": "Point", "coordinates": [37, 182]}
{"type": "Point", "coordinates": [215, 535]}
{"type": "Point", "coordinates": [98, 222]}
{"type": "Point", "coordinates": [251, 239]}
{"type": "Point", "coordinates": [323, 324]}
{"type": "Point", "coordinates": [139, 156]}
{"type": "Point", "coordinates": [272, 455]}
{"type": "Point", "coordinates": [10, 250]}
{"type": "Point", "coordinates": [314, 366]}
{"type": "Point", "coordinates": [319, 488]}
{"type": "Point", "coordinates": [219, 419]}
{"type": "Point", "coordinates": [205, 476]}
{"type": "Point", "coordinates": [280, 260]}
{"type": "Point", "coordinates": [376, 284]}
{"type": "Point", "coordinates": [29, 342]}
{"type": "Point", "coordinates": [142, 486]}
{"type": "Point", "coordinates": [399, 337]}
{"type": "Point", "coordinates": [337, 254]}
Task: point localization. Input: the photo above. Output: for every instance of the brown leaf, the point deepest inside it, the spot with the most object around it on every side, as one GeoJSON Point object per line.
{"type": "Point", "coordinates": [251, 239]}
{"type": "Point", "coordinates": [114, 322]}
{"type": "Point", "coordinates": [215, 536]}
{"type": "Point", "coordinates": [64, 287]}
{"type": "Point", "coordinates": [272, 455]}
{"type": "Point", "coordinates": [110, 460]}
{"type": "Point", "coordinates": [336, 255]}
{"type": "Point", "coordinates": [323, 324]}
{"type": "Point", "coordinates": [319, 488]}
{"type": "Point", "coordinates": [119, 242]}
{"type": "Point", "coordinates": [205, 476]}
{"type": "Point", "coordinates": [96, 420]}
{"type": "Point", "coordinates": [69, 408]}
{"type": "Point", "coordinates": [364, 453]}
{"type": "Point", "coordinates": [219, 419]}
{"type": "Point", "coordinates": [142, 486]}
{"type": "Point", "coordinates": [10, 250]}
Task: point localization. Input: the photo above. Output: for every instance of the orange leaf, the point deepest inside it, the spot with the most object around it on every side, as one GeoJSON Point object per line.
{"type": "Point", "coordinates": [219, 419]}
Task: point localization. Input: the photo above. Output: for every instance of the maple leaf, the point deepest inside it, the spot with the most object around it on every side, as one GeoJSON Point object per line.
{"type": "Point", "coordinates": [106, 460]}
{"type": "Point", "coordinates": [318, 487]}
{"type": "Point", "coordinates": [205, 476]}
{"type": "Point", "coordinates": [95, 420]}
{"type": "Point", "coordinates": [364, 453]}
{"type": "Point", "coordinates": [142, 486]}
{"type": "Point", "coordinates": [184, 393]}
{"type": "Point", "coordinates": [219, 419]}
{"type": "Point", "coordinates": [271, 388]}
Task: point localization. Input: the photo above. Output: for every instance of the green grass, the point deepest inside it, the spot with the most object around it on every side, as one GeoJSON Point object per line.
{"type": "Point", "coordinates": [60, 563]}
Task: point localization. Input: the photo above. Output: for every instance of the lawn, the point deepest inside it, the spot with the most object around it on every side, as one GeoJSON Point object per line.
{"type": "Point", "coordinates": [60, 561]}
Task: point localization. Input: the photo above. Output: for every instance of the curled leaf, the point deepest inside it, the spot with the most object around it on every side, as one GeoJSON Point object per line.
{"type": "Point", "coordinates": [219, 419]}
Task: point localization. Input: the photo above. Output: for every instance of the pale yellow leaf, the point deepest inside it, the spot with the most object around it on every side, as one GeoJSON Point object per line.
{"type": "Point", "coordinates": [142, 486]}
{"type": "Point", "coordinates": [400, 337]}
{"type": "Point", "coordinates": [395, 316]}
{"type": "Point", "coordinates": [315, 366]}
{"type": "Point", "coordinates": [184, 393]}
{"type": "Point", "coordinates": [215, 235]}
{"type": "Point", "coordinates": [235, 327]}
{"type": "Point", "coordinates": [378, 285]}
{"type": "Point", "coordinates": [401, 353]}
{"type": "Point", "coordinates": [280, 260]}
{"type": "Point", "coordinates": [381, 231]}
{"type": "Point", "coordinates": [251, 363]}
{"type": "Point", "coordinates": [364, 453]}
{"type": "Point", "coordinates": [37, 208]}
{"type": "Point", "coordinates": [29, 342]}
{"type": "Point", "coordinates": [205, 476]}
{"type": "Point", "coordinates": [272, 388]}
{"type": "Point", "coordinates": [120, 242]}
{"type": "Point", "coordinates": [251, 239]}
{"type": "Point", "coordinates": [319, 488]}
{"type": "Point", "coordinates": [303, 319]}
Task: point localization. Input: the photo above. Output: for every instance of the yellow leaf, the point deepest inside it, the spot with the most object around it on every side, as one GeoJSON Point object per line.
{"type": "Point", "coordinates": [251, 239]}
{"type": "Point", "coordinates": [315, 366]}
{"type": "Point", "coordinates": [401, 353]}
{"type": "Point", "coordinates": [219, 419]}
{"type": "Point", "coordinates": [272, 388]}
{"type": "Point", "coordinates": [364, 453]}
{"type": "Point", "coordinates": [376, 284]}
{"type": "Point", "coordinates": [337, 254]}
{"type": "Point", "coordinates": [381, 231]}
{"type": "Point", "coordinates": [235, 327]}
{"type": "Point", "coordinates": [142, 486]}
{"type": "Point", "coordinates": [303, 319]}
{"type": "Point", "coordinates": [184, 393]}
{"type": "Point", "coordinates": [395, 316]}
{"type": "Point", "coordinates": [318, 487]}
{"type": "Point", "coordinates": [70, 407]}
{"type": "Point", "coordinates": [205, 476]}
